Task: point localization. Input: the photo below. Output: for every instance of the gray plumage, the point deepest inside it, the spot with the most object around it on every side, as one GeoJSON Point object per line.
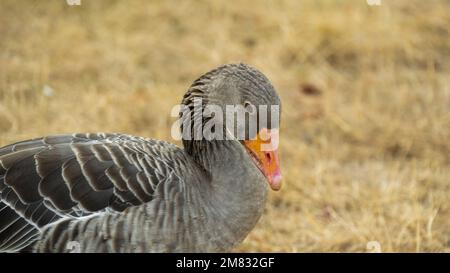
{"type": "Point", "coordinates": [120, 193]}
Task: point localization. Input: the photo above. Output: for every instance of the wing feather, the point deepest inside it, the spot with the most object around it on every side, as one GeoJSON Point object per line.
{"type": "Point", "coordinates": [44, 179]}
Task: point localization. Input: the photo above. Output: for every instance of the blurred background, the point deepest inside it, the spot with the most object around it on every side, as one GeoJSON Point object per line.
{"type": "Point", "coordinates": [365, 89]}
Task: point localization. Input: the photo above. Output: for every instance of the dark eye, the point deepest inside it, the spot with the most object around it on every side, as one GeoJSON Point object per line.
{"type": "Point", "coordinates": [249, 107]}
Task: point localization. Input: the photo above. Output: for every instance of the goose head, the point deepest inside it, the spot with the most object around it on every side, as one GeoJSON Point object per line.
{"type": "Point", "coordinates": [234, 102]}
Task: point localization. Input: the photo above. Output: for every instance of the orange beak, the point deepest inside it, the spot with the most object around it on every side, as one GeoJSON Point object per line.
{"type": "Point", "coordinates": [264, 150]}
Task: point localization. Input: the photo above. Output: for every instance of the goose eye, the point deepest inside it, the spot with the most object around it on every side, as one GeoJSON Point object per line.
{"type": "Point", "coordinates": [250, 107]}
{"type": "Point", "coordinates": [248, 104]}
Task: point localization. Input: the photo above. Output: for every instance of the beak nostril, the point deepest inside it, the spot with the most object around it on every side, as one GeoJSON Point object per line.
{"type": "Point", "coordinates": [268, 157]}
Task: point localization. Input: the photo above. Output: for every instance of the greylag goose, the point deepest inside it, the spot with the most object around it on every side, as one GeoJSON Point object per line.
{"type": "Point", "coordinates": [120, 193]}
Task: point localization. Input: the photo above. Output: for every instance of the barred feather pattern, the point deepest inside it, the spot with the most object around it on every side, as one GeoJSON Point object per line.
{"type": "Point", "coordinates": [70, 176]}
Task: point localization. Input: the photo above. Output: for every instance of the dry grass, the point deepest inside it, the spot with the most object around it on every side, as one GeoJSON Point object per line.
{"type": "Point", "coordinates": [366, 92]}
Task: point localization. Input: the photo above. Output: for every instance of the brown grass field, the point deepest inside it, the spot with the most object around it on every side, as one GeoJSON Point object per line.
{"type": "Point", "coordinates": [365, 137]}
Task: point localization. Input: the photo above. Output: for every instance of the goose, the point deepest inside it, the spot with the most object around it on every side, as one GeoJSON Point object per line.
{"type": "Point", "coordinates": [101, 192]}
